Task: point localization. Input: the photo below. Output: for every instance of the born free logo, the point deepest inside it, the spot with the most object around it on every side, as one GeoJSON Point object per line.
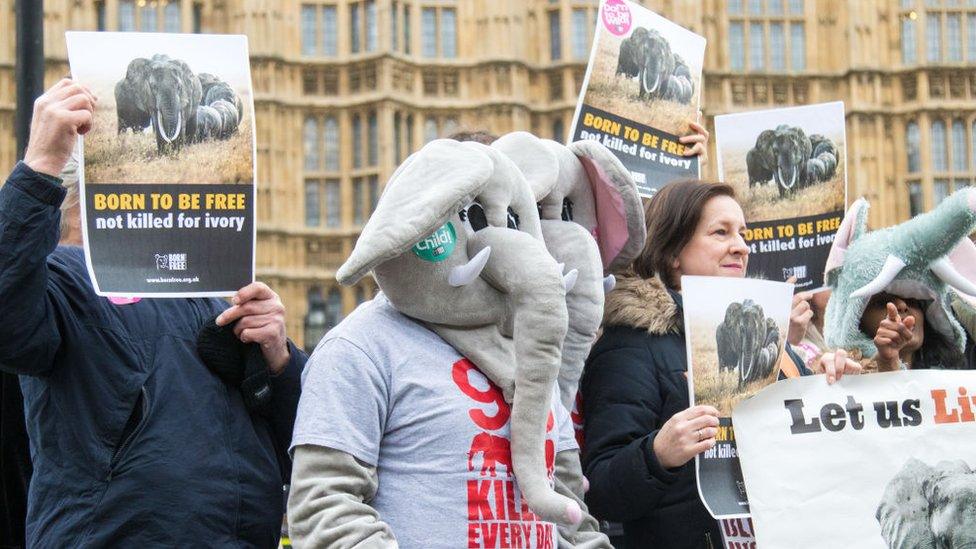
{"type": "Point", "coordinates": [438, 246]}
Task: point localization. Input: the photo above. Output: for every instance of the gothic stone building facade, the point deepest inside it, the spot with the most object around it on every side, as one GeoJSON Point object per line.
{"type": "Point", "coordinates": [345, 89]}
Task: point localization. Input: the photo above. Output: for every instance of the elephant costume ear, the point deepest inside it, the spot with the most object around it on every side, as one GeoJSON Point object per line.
{"type": "Point", "coordinates": [534, 160]}
{"type": "Point", "coordinates": [619, 212]}
{"type": "Point", "coordinates": [854, 226]}
{"type": "Point", "coordinates": [432, 183]}
{"type": "Point", "coordinates": [963, 258]}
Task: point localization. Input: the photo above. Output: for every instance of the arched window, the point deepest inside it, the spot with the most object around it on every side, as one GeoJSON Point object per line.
{"type": "Point", "coordinates": [333, 308]}
{"type": "Point", "coordinates": [311, 140]}
{"type": "Point", "coordinates": [959, 161]}
{"type": "Point", "coordinates": [171, 17]}
{"type": "Point", "coordinates": [913, 145]}
{"type": "Point", "coordinates": [940, 160]}
{"type": "Point", "coordinates": [315, 319]}
{"type": "Point", "coordinates": [331, 143]}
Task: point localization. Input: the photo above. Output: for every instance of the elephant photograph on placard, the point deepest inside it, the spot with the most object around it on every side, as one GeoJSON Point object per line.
{"type": "Point", "coordinates": [784, 162]}
{"type": "Point", "coordinates": [169, 111]}
{"type": "Point", "coordinates": [736, 330]}
{"type": "Point", "coordinates": [929, 507]}
{"type": "Point", "coordinates": [650, 74]}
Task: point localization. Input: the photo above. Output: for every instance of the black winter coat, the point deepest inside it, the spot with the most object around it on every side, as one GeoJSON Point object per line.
{"type": "Point", "coordinates": [633, 383]}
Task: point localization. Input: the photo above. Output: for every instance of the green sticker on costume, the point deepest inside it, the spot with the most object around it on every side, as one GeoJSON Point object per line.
{"type": "Point", "coordinates": [438, 246]}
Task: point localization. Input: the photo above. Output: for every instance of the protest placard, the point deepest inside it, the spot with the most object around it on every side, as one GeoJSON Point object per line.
{"type": "Point", "coordinates": [734, 334]}
{"type": "Point", "coordinates": [642, 88]}
{"type": "Point", "coordinates": [789, 170]}
{"type": "Point", "coordinates": [167, 181]}
{"type": "Point", "coordinates": [875, 461]}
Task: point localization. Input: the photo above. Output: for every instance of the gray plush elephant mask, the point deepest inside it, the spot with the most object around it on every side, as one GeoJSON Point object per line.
{"type": "Point", "coordinates": [592, 221]}
{"type": "Point", "coordinates": [456, 242]}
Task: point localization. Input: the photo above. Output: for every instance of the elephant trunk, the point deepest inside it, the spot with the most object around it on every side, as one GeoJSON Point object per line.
{"type": "Point", "coordinates": [521, 268]}
{"type": "Point", "coordinates": [939, 231]}
{"type": "Point", "coordinates": [572, 244]}
{"type": "Point", "coordinates": [169, 118]}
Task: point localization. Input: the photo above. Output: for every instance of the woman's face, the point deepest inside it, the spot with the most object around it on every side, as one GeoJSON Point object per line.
{"type": "Point", "coordinates": [876, 311]}
{"type": "Point", "coordinates": [718, 247]}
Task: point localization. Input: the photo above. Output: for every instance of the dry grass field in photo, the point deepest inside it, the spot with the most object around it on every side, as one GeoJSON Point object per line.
{"type": "Point", "coordinates": [718, 389]}
{"type": "Point", "coordinates": [618, 94]}
{"type": "Point", "coordinates": [763, 202]}
{"type": "Point", "coordinates": [133, 158]}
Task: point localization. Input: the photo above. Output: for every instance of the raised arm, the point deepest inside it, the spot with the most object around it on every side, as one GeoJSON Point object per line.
{"type": "Point", "coordinates": [29, 218]}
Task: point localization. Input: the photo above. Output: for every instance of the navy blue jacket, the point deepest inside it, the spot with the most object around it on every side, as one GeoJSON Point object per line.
{"type": "Point", "coordinates": [633, 382]}
{"type": "Point", "coordinates": [135, 442]}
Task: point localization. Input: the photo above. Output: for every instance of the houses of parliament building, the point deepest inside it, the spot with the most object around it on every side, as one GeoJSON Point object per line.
{"type": "Point", "coordinates": [346, 89]}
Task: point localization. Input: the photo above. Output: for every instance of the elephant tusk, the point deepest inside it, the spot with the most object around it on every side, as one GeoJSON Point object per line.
{"type": "Point", "coordinates": [569, 280]}
{"type": "Point", "coordinates": [162, 129]}
{"type": "Point", "coordinates": [462, 275]}
{"type": "Point", "coordinates": [562, 267]}
{"type": "Point", "coordinates": [608, 283]}
{"type": "Point", "coordinates": [946, 272]}
{"type": "Point", "coordinates": [892, 266]}
{"type": "Point", "coordinates": [793, 178]}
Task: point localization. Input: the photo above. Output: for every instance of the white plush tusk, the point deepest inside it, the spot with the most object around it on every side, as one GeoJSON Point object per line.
{"type": "Point", "coordinates": [562, 267]}
{"type": "Point", "coordinates": [462, 275]}
{"type": "Point", "coordinates": [947, 273]}
{"type": "Point", "coordinates": [892, 266]}
{"type": "Point", "coordinates": [569, 280]}
{"type": "Point", "coordinates": [608, 283]}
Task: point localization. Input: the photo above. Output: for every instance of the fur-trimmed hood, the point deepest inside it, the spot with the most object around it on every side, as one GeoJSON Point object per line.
{"type": "Point", "coordinates": [643, 303]}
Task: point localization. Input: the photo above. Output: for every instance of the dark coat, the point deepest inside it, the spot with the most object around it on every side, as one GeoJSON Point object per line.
{"type": "Point", "coordinates": [634, 381]}
{"type": "Point", "coordinates": [135, 443]}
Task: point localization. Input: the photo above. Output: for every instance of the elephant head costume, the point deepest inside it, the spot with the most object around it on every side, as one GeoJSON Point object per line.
{"type": "Point", "coordinates": [926, 258]}
{"type": "Point", "coordinates": [592, 221]}
{"type": "Point", "coordinates": [456, 242]}
{"type": "Point", "coordinates": [927, 507]}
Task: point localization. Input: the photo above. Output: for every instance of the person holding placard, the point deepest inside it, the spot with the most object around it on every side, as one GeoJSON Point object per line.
{"type": "Point", "coordinates": [135, 439]}
{"type": "Point", "coordinates": [641, 435]}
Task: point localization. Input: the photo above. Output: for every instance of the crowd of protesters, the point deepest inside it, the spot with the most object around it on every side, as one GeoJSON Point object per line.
{"type": "Point", "coordinates": [141, 432]}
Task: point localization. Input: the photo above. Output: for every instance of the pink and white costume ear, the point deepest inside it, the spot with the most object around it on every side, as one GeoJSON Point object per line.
{"type": "Point", "coordinates": [533, 158]}
{"type": "Point", "coordinates": [963, 259]}
{"type": "Point", "coordinates": [620, 214]}
{"type": "Point", "coordinates": [853, 226]}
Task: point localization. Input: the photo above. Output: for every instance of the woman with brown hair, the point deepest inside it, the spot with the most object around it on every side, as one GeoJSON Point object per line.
{"type": "Point", "coordinates": [640, 432]}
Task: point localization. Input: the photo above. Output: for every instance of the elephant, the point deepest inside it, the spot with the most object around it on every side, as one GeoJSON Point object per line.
{"type": "Point", "coordinates": [209, 123]}
{"type": "Point", "coordinates": [228, 117]}
{"type": "Point", "coordinates": [494, 450]}
{"type": "Point", "coordinates": [791, 159]}
{"type": "Point", "coordinates": [592, 221]}
{"type": "Point", "coordinates": [172, 101]}
{"type": "Point", "coordinates": [456, 242]}
{"type": "Point", "coordinates": [926, 507]}
{"type": "Point", "coordinates": [214, 89]}
{"type": "Point", "coordinates": [823, 160]}
{"type": "Point", "coordinates": [661, 74]}
{"type": "Point", "coordinates": [130, 107]}
{"type": "Point", "coordinates": [747, 342]}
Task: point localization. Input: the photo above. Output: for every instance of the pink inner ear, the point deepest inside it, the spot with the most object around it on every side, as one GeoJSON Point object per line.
{"type": "Point", "coordinates": [843, 238]}
{"type": "Point", "coordinates": [611, 216]}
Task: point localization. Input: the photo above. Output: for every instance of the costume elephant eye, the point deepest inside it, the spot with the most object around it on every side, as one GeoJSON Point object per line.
{"type": "Point", "coordinates": [567, 209]}
{"type": "Point", "coordinates": [513, 219]}
{"type": "Point", "coordinates": [473, 217]}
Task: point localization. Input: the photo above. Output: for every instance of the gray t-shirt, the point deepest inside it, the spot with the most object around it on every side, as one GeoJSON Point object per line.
{"type": "Point", "coordinates": [390, 392]}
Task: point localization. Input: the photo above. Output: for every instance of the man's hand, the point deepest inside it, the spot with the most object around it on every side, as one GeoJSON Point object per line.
{"type": "Point", "coordinates": [261, 320]}
{"type": "Point", "coordinates": [60, 115]}
{"type": "Point", "coordinates": [893, 334]}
